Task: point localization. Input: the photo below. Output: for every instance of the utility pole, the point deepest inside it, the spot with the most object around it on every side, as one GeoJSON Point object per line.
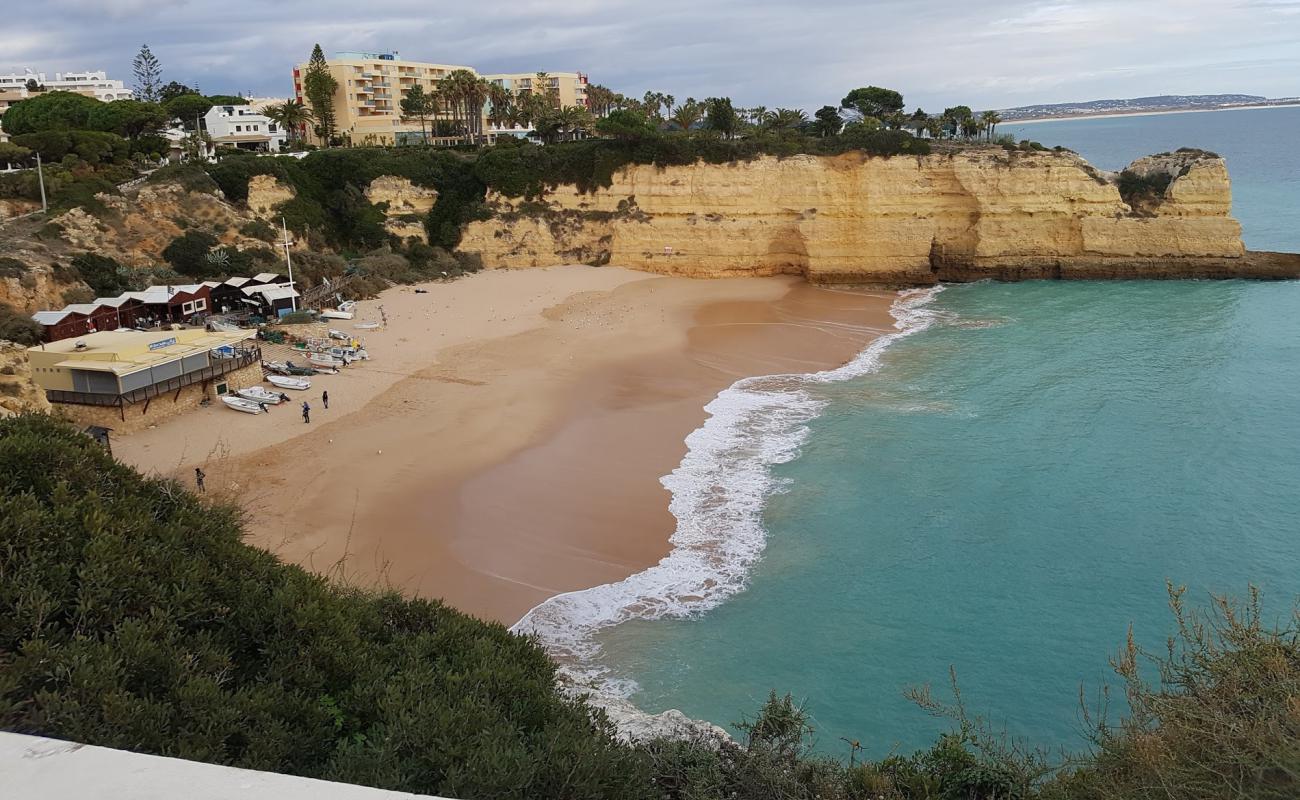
{"type": "Point", "coordinates": [40, 176]}
{"type": "Point", "coordinates": [293, 301]}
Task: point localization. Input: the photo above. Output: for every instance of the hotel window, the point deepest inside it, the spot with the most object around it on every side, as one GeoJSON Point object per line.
{"type": "Point", "coordinates": [239, 129]}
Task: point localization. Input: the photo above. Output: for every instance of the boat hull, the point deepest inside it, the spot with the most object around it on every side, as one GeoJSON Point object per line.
{"type": "Point", "coordinates": [284, 382]}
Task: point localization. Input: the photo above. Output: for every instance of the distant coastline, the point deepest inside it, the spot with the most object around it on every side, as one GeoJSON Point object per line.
{"type": "Point", "coordinates": [1149, 113]}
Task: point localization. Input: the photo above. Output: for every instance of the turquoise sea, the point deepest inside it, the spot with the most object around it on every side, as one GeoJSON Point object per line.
{"type": "Point", "coordinates": [1002, 488]}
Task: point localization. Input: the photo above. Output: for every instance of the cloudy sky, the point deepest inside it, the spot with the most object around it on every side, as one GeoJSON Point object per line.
{"type": "Point", "coordinates": [802, 53]}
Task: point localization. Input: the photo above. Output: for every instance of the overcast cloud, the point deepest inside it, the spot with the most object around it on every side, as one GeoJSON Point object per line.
{"type": "Point", "coordinates": [984, 53]}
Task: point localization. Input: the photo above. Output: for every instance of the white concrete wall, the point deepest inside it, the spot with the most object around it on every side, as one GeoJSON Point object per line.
{"type": "Point", "coordinates": [36, 768]}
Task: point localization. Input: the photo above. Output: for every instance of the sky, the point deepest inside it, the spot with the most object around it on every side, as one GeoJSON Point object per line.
{"type": "Point", "coordinates": [777, 53]}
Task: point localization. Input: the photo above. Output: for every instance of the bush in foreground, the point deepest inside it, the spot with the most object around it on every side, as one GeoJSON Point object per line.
{"type": "Point", "coordinates": [132, 616]}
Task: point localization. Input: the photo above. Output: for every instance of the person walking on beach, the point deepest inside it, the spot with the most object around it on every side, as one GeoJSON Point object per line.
{"type": "Point", "coordinates": [199, 475]}
{"type": "Point", "coordinates": [306, 412]}
{"type": "Point", "coordinates": [325, 400]}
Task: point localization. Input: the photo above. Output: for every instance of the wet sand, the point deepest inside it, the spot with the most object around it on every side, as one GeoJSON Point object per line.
{"type": "Point", "coordinates": [522, 460]}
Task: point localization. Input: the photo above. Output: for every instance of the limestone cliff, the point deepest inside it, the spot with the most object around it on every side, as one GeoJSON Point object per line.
{"type": "Point", "coordinates": [406, 205]}
{"type": "Point", "coordinates": [904, 220]}
{"type": "Point", "coordinates": [17, 391]}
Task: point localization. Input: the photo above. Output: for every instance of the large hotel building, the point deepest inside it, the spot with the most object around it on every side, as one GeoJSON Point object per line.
{"type": "Point", "coordinates": [371, 87]}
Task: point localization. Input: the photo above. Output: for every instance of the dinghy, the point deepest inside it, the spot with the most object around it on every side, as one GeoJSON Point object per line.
{"type": "Point", "coordinates": [325, 360]}
{"type": "Point", "coordinates": [285, 382]}
{"type": "Point", "coordinates": [366, 326]}
{"type": "Point", "coordinates": [259, 394]}
{"type": "Point", "coordinates": [241, 404]}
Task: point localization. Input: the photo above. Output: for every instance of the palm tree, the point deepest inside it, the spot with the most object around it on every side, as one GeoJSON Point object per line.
{"type": "Point", "coordinates": [291, 115]}
{"type": "Point", "coordinates": [500, 103]}
{"type": "Point", "coordinates": [688, 114]}
{"type": "Point", "coordinates": [758, 116]}
{"type": "Point", "coordinates": [601, 99]}
{"type": "Point", "coordinates": [786, 119]}
{"type": "Point", "coordinates": [458, 91]}
{"type": "Point", "coordinates": [417, 105]}
{"type": "Point", "coordinates": [990, 120]}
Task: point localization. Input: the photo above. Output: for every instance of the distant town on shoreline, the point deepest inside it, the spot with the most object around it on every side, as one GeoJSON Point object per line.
{"type": "Point", "coordinates": [1142, 105]}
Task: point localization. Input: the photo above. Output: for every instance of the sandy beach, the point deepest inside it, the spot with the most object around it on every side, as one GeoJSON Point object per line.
{"type": "Point", "coordinates": [506, 439]}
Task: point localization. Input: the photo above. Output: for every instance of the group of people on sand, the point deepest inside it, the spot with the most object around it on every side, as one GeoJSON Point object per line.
{"type": "Point", "coordinates": [200, 476]}
{"type": "Point", "coordinates": [306, 407]}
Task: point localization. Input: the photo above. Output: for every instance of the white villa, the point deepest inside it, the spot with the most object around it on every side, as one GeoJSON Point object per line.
{"type": "Point", "coordinates": [94, 84]}
{"type": "Point", "coordinates": [244, 127]}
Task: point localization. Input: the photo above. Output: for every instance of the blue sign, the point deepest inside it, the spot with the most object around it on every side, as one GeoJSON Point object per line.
{"type": "Point", "coordinates": [162, 343]}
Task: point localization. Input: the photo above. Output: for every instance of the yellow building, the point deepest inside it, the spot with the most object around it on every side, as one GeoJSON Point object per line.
{"type": "Point", "coordinates": [114, 378]}
{"type": "Point", "coordinates": [569, 87]}
{"type": "Point", "coordinates": [371, 86]}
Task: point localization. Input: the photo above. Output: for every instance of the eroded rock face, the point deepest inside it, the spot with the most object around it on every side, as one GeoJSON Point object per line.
{"type": "Point", "coordinates": [18, 394]}
{"type": "Point", "coordinates": [265, 192]}
{"type": "Point", "coordinates": [408, 205]}
{"type": "Point", "coordinates": [905, 220]}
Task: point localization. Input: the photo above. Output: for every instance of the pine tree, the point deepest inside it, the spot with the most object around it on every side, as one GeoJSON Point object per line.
{"type": "Point", "coordinates": [148, 75]}
{"type": "Point", "coordinates": [320, 86]}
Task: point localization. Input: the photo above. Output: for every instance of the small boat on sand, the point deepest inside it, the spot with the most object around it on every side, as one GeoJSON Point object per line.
{"type": "Point", "coordinates": [291, 368]}
{"type": "Point", "coordinates": [259, 394]}
{"type": "Point", "coordinates": [335, 334]}
{"type": "Point", "coordinates": [285, 382]}
{"type": "Point", "coordinates": [335, 314]}
{"type": "Point", "coordinates": [242, 404]}
{"type": "Point", "coordinates": [325, 360]}
{"type": "Point", "coordinates": [366, 326]}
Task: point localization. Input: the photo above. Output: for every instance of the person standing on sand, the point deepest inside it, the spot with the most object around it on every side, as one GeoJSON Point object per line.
{"type": "Point", "coordinates": [199, 475]}
{"type": "Point", "coordinates": [325, 400]}
{"type": "Point", "coordinates": [306, 412]}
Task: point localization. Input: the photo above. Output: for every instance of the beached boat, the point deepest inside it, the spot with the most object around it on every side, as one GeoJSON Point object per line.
{"type": "Point", "coordinates": [296, 369]}
{"type": "Point", "coordinates": [259, 394]}
{"type": "Point", "coordinates": [366, 326]}
{"type": "Point", "coordinates": [242, 404]}
{"type": "Point", "coordinates": [285, 382]}
{"type": "Point", "coordinates": [325, 360]}
{"type": "Point", "coordinates": [335, 314]}
{"type": "Point", "coordinates": [339, 335]}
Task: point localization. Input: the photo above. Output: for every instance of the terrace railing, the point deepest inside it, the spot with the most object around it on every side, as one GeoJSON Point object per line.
{"type": "Point", "coordinates": [217, 366]}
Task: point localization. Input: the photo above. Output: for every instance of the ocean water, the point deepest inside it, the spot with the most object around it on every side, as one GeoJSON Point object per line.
{"type": "Point", "coordinates": [1001, 489]}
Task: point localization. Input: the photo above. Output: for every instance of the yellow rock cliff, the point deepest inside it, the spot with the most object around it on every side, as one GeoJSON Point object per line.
{"type": "Point", "coordinates": [903, 220]}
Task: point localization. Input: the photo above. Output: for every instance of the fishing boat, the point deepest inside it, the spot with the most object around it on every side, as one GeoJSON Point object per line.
{"type": "Point", "coordinates": [325, 360]}
{"type": "Point", "coordinates": [335, 314]}
{"type": "Point", "coordinates": [339, 335]}
{"type": "Point", "coordinates": [366, 326]}
{"type": "Point", "coordinates": [259, 394]}
{"type": "Point", "coordinates": [242, 404]}
{"type": "Point", "coordinates": [291, 368]}
{"type": "Point", "coordinates": [285, 382]}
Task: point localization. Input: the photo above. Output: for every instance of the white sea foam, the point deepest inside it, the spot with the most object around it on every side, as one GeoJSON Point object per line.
{"type": "Point", "coordinates": [718, 493]}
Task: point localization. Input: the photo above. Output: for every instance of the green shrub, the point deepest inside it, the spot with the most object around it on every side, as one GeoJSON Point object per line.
{"type": "Point", "coordinates": [16, 326]}
{"type": "Point", "coordinates": [1143, 190]}
{"type": "Point", "coordinates": [190, 177]}
{"type": "Point", "coordinates": [104, 275]}
{"type": "Point", "coordinates": [259, 229]}
{"type": "Point", "coordinates": [188, 254]}
{"type": "Point", "coordinates": [92, 147]}
{"type": "Point", "coordinates": [133, 616]}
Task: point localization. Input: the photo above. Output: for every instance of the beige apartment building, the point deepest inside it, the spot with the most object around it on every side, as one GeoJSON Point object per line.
{"type": "Point", "coordinates": [371, 86]}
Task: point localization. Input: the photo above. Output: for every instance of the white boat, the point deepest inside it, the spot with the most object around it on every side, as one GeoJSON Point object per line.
{"type": "Point", "coordinates": [241, 404]}
{"type": "Point", "coordinates": [366, 326]}
{"type": "Point", "coordinates": [348, 305]}
{"type": "Point", "coordinates": [348, 354]}
{"type": "Point", "coordinates": [259, 394]}
{"type": "Point", "coordinates": [339, 335]}
{"type": "Point", "coordinates": [324, 360]}
{"type": "Point", "coordinates": [285, 382]}
{"type": "Point", "coordinates": [336, 314]}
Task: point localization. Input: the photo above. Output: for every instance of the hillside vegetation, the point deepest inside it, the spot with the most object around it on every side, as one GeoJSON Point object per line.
{"type": "Point", "coordinates": [132, 616]}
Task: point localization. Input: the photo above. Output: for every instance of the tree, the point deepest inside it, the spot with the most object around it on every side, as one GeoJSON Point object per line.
{"type": "Point", "coordinates": [227, 100]}
{"type": "Point", "coordinates": [563, 123]}
{"type": "Point", "coordinates": [188, 253]}
{"type": "Point", "coordinates": [291, 115]}
{"type": "Point", "coordinates": [626, 125]}
{"type": "Point", "coordinates": [990, 119]}
{"type": "Point", "coordinates": [873, 101]}
{"type": "Point", "coordinates": [828, 121]}
{"type": "Point", "coordinates": [173, 90]}
{"type": "Point", "coordinates": [33, 86]}
{"type": "Point", "coordinates": [757, 116]}
{"type": "Point", "coordinates": [148, 75]}
{"type": "Point", "coordinates": [11, 153]}
{"type": "Point", "coordinates": [787, 119]}
{"type": "Point", "coordinates": [188, 108]}
{"type": "Point", "coordinates": [721, 116]}
{"type": "Point", "coordinates": [50, 111]}
{"type": "Point", "coordinates": [417, 105]}
{"type": "Point", "coordinates": [958, 120]}
{"type": "Point", "coordinates": [919, 121]}
{"type": "Point", "coordinates": [600, 99]}
{"type": "Point", "coordinates": [319, 86]}
{"type": "Point", "coordinates": [105, 276]}
{"type": "Point", "coordinates": [688, 114]}
{"type": "Point", "coordinates": [128, 118]}
{"type": "Point", "coordinates": [500, 104]}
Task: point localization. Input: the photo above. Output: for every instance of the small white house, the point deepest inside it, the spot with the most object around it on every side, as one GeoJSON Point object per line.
{"type": "Point", "coordinates": [243, 127]}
